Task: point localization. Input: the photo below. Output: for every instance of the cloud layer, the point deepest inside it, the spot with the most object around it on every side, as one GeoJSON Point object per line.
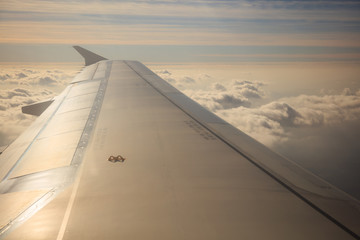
{"type": "Point", "coordinates": [274, 121]}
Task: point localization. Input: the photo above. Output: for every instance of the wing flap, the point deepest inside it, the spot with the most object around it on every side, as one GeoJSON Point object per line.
{"type": "Point", "coordinates": [19, 202]}
{"type": "Point", "coordinates": [47, 155]}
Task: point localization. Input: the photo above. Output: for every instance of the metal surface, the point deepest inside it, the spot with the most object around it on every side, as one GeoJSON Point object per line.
{"type": "Point", "coordinates": [12, 156]}
{"type": "Point", "coordinates": [187, 174]}
{"type": "Point", "coordinates": [336, 205]}
{"type": "Point", "coordinates": [19, 202]}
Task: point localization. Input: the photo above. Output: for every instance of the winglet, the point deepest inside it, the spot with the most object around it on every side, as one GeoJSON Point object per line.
{"type": "Point", "coordinates": [90, 57]}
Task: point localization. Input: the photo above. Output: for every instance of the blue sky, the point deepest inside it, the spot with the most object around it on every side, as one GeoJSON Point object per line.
{"type": "Point", "coordinates": [182, 31]}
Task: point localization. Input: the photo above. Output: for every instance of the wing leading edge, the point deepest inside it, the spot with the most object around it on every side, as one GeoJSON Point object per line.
{"type": "Point", "coordinates": [186, 173]}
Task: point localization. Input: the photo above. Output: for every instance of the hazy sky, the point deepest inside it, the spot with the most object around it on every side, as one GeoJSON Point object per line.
{"type": "Point", "coordinates": [182, 31]}
{"type": "Point", "coordinates": [285, 72]}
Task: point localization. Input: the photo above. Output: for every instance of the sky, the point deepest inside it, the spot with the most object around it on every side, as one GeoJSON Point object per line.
{"type": "Point", "coordinates": [285, 72]}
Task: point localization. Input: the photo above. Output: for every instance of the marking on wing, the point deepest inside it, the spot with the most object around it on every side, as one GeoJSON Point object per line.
{"type": "Point", "coordinates": [115, 159]}
{"type": "Point", "coordinates": [200, 130]}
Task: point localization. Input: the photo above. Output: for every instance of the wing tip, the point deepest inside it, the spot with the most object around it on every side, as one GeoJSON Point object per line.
{"type": "Point", "coordinates": [89, 57]}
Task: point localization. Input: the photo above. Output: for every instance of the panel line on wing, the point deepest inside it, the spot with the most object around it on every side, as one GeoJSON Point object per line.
{"type": "Point", "coordinates": [79, 153]}
{"type": "Point", "coordinates": [84, 139]}
{"type": "Point", "coordinates": [35, 138]}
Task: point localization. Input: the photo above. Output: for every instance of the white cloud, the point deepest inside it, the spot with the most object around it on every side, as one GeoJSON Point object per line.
{"type": "Point", "coordinates": [218, 87]}
{"type": "Point", "coordinates": [4, 77]}
{"type": "Point", "coordinates": [273, 122]}
{"type": "Point", "coordinates": [2, 107]}
{"type": "Point", "coordinates": [46, 81]}
{"type": "Point", "coordinates": [21, 75]}
{"type": "Point", "coordinates": [163, 72]}
{"type": "Point", "coordinates": [227, 96]}
{"type": "Point", "coordinates": [9, 94]}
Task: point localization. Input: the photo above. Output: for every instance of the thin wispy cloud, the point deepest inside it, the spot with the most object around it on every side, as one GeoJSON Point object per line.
{"type": "Point", "coordinates": [266, 23]}
{"type": "Point", "coordinates": [304, 10]}
{"type": "Point", "coordinates": [58, 33]}
{"type": "Point", "coordinates": [329, 29]}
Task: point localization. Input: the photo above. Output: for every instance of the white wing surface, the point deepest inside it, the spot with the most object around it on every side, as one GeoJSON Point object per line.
{"type": "Point", "coordinates": [121, 154]}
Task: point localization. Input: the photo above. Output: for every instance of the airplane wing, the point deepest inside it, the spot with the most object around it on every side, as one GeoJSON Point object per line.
{"type": "Point", "coordinates": [121, 154]}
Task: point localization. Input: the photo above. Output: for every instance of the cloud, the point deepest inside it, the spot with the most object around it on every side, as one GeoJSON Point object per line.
{"type": "Point", "coordinates": [29, 71]}
{"type": "Point", "coordinates": [298, 10]}
{"type": "Point", "coordinates": [220, 95]}
{"type": "Point", "coordinates": [9, 94]}
{"type": "Point", "coordinates": [46, 81]}
{"type": "Point", "coordinates": [255, 124]}
{"type": "Point", "coordinates": [227, 96]}
{"type": "Point", "coordinates": [219, 99]}
{"type": "Point", "coordinates": [13, 99]}
{"type": "Point", "coordinates": [21, 75]}
{"type": "Point", "coordinates": [181, 23]}
{"type": "Point", "coordinates": [280, 112]}
{"type": "Point", "coordinates": [218, 87]}
{"type": "Point", "coordinates": [187, 80]}
{"type": "Point", "coordinates": [327, 109]}
{"type": "Point", "coordinates": [241, 102]}
{"type": "Point", "coordinates": [163, 72]}
{"type": "Point", "coordinates": [4, 77]}
{"type": "Point", "coordinates": [248, 89]}
{"type": "Point", "coordinates": [143, 34]}
{"type": "Point", "coordinates": [27, 77]}
{"type": "Point", "coordinates": [231, 101]}
{"type": "Point", "coordinates": [24, 91]}
{"type": "Point", "coordinates": [274, 122]}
